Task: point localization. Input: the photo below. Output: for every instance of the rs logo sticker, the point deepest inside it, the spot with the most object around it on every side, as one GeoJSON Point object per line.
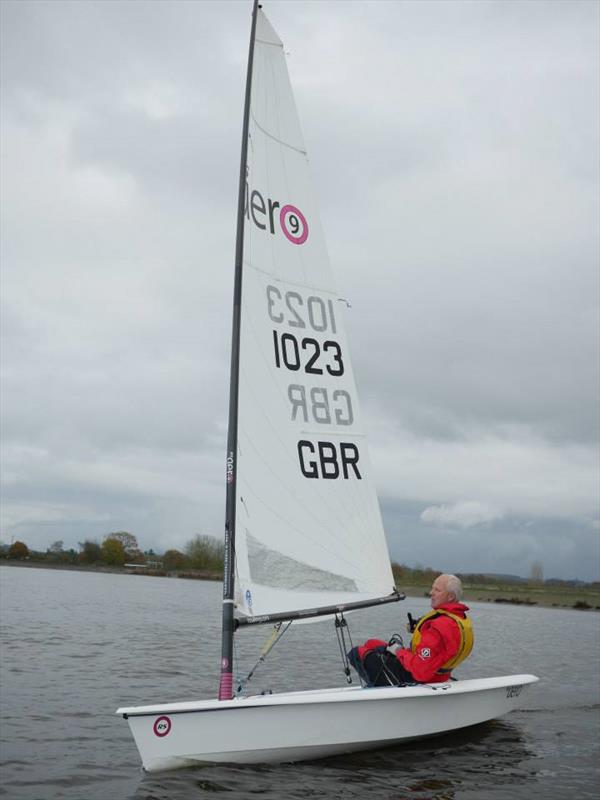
{"type": "Point", "coordinates": [162, 726]}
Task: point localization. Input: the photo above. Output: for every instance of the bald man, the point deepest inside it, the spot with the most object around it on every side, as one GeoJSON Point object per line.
{"type": "Point", "coordinates": [441, 640]}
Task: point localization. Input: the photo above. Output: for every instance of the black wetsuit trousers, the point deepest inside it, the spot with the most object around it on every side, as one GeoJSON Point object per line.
{"type": "Point", "coordinates": [380, 668]}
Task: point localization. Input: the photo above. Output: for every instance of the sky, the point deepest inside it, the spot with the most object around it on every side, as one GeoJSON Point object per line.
{"type": "Point", "coordinates": [455, 156]}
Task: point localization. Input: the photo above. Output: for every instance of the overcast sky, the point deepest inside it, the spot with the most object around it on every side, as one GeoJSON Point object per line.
{"type": "Point", "coordinates": [454, 147]}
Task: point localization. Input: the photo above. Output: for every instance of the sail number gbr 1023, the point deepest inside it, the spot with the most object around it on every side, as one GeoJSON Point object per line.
{"type": "Point", "coordinates": [298, 353]}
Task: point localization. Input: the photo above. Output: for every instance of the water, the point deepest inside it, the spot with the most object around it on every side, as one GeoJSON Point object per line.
{"type": "Point", "coordinates": [77, 645]}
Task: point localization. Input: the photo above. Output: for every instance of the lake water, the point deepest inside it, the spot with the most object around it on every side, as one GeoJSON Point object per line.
{"type": "Point", "coordinates": [77, 645]}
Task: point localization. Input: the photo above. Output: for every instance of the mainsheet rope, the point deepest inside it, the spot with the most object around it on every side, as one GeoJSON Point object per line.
{"type": "Point", "coordinates": [341, 628]}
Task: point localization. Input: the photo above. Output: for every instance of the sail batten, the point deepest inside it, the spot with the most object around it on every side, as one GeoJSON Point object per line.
{"type": "Point", "coordinates": [276, 139]}
{"type": "Point", "coordinates": [317, 287]}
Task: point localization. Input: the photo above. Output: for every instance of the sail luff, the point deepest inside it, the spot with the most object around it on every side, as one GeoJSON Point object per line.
{"type": "Point", "coordinates": [227, 631]}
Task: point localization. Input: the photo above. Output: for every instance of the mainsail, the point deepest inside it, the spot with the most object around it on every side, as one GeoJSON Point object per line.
{"type": "Point", "coordinates": [308, 529]}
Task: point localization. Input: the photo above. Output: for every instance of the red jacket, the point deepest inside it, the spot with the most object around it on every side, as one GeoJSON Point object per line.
{"type": "Point", "coordinates": [440, 641]}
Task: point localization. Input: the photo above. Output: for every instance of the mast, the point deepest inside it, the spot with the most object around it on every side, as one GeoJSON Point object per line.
{"type": "Point", "coordinates": [227, 631]}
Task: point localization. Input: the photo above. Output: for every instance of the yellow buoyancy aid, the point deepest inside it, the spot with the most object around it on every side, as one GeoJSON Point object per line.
{"type": "Point", "coordinates": [466, 636]}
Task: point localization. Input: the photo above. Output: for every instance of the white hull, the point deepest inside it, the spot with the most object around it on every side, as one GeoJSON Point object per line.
{"type": "Point", "coordinates": [296, 726]}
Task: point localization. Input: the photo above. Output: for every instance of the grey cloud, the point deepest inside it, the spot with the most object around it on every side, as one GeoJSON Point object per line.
{"type": "Point", "coordinates": [508, 546]}
{"type": "Point", "coordinates": [454, 148]}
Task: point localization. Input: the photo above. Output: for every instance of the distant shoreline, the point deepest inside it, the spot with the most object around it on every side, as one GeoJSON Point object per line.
{"type": "Point", "coordinates": [511, 594]}
{"type": "Point", "coordinates": [192, 574]}
{"type": "Point", "coordinates": [518, 595]}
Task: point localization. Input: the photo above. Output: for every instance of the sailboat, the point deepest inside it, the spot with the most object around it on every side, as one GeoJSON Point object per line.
{"type": "Point", "coordinates": [303, 533]}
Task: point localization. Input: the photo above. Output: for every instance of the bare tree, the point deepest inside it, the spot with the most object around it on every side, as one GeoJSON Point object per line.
{"type": "Point", "coordinates": [536, 574]}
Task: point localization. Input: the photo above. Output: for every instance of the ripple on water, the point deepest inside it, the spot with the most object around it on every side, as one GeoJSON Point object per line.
{"type": "Point", "coordinates": [77, 649]}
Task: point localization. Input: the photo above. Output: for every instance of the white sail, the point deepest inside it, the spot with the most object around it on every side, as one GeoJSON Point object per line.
{"type": "Point", "coordinates": [308, 530]}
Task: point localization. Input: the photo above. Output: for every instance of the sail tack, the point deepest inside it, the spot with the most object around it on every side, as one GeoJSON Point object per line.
{"type": "Point", "coordinates": [308, 526]}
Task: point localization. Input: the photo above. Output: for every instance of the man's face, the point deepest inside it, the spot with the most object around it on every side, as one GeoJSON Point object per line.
{"type": "Point", "coordinates": [439, 593]}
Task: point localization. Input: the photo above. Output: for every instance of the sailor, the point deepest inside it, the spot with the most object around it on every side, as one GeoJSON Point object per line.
{"type": "Point", "coordinates": [441, 640]}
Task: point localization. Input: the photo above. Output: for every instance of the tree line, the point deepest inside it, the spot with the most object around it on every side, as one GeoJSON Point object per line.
{"type": "Point", "coordinates": [206, 553]}
{"type": "Point", "coordinates": [120, 548]}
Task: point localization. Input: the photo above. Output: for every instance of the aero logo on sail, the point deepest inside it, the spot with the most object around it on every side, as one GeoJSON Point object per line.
{"type": "Point", "coordinates": [271, 215]}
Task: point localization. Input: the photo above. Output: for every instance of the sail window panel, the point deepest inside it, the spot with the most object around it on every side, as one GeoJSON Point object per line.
{"type": "Point", "coordinates": [272, 568]}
